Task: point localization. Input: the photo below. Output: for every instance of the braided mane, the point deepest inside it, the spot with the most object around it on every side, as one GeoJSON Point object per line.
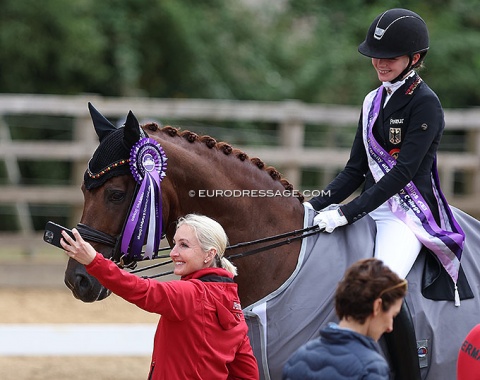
{"type": "Point", "coordinates": [224, 147]}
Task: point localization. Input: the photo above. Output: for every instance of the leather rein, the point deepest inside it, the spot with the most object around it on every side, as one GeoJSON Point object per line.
{"type": "Point", "coordinates": [92, 235]}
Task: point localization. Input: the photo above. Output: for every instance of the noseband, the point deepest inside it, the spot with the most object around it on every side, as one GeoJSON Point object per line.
{"type": "Point", "coordinates": [90, 234]}
{"type": "Point", "coordinates": [96, 236]}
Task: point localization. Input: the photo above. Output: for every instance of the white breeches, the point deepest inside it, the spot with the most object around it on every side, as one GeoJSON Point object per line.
{"type": "Point", "coordinates": [395, 244]}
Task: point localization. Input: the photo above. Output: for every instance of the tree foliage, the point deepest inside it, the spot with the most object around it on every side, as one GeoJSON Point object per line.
{"type": "Point", "coordinates": [260, 50]}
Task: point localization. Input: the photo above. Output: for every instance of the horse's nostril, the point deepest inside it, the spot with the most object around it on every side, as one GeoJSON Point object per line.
{"type": "Point", "coordinates": [83, 283]}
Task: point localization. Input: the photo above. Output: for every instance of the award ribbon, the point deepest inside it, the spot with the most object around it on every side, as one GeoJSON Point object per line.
{"type": "Point", "coordinates": [148, 164]}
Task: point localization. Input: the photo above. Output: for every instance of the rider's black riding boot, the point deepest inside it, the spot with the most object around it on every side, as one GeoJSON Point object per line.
{"type": "Point", "coordinates": [402, 347]}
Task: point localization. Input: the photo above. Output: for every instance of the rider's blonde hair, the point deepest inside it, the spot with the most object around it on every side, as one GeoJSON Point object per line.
{"type": "Point", "coordinates": [210, 234]}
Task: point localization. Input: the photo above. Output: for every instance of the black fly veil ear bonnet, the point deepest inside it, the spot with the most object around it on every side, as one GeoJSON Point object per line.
{"type": "Point", "coordinates": [112, 156]}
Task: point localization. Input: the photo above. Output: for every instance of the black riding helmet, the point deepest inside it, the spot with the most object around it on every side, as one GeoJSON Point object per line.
{"type": "Point", "coordinates": [394, 33]}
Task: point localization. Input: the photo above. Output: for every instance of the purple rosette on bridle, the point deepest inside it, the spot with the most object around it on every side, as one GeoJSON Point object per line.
{"type": "Point", "coordinates": [148, 164]}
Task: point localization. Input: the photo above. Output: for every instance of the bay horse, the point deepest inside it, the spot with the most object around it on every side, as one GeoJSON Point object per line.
{"type": "Point", "coordinates": [202, 177]}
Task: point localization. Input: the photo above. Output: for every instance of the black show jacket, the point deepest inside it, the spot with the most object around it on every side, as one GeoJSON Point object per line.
{"type": "Point", "coordinates": [410, 126]}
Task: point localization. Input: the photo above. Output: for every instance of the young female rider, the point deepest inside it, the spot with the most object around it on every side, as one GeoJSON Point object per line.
{"type": "Point", "coordinates": [202, 333]}
{"type": "Point", "coordinates": [394, 155]}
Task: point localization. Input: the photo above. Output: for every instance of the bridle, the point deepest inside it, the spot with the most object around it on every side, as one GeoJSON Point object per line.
{"type": "Point", "coordinates": [93, 235]}
{"type": "Point", "coordinates": [287, 237]}
{"type": "Point", "coordinates": [96, 236]}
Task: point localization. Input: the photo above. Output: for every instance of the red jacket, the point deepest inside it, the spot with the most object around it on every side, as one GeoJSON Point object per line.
{"type": "Point", "coordinates": [202, 332]}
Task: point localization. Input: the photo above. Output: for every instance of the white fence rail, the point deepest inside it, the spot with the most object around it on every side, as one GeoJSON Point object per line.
{"type": "Point", "coordinates": [290, 155]}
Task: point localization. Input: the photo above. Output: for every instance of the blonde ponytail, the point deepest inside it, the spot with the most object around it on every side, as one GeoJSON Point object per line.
{"type": "Point", "coordinates": [226, 264]}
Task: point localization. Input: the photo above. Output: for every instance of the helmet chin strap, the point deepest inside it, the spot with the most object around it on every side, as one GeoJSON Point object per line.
{"type": "Point", "coordinates": [406, 71]}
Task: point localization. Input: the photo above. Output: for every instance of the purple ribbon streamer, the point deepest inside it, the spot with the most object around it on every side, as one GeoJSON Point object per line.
{"type": "Point", "coordinates": [133, 218]}
{"type": "Point", "coordinates": [155, 220]}
{"type": "Point", "coordinates": [141, 228]}
{"type": "Point", "coordinates": [144, 222]}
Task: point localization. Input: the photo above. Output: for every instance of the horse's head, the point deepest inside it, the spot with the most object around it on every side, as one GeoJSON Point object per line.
{"type": "Point", "coordinates": [204, 177]}
{"type": "Point", "coordinates": [108, 189]}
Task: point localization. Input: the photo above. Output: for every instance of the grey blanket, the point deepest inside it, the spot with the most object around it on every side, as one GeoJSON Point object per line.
{"type": "Point", "coordinates": [294, 313]}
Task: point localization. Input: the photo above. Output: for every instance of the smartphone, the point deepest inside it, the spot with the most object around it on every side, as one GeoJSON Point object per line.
{"type": "Point", "coordinates": [53, 234]}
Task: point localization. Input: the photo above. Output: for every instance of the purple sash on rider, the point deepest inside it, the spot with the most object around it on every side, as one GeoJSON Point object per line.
{"type": "Point", "coordinates": [446, 242]}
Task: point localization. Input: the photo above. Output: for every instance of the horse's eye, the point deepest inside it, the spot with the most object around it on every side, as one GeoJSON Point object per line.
{"type": "Point", "coordinates": [116, 196]}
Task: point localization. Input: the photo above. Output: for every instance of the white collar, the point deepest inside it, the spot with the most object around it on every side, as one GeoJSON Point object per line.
{"type": "Point", "coordinates": [392, 87]}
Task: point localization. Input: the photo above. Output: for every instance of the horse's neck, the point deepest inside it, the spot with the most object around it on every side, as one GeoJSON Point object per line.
{"type": "Point", "coordinates": [235, 193]}
{"type": "Point", "coordinates": [242, 197]}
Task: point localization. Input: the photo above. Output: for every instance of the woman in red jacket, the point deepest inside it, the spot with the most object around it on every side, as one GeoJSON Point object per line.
{"type": "Point", "coordinates": [202, 332]}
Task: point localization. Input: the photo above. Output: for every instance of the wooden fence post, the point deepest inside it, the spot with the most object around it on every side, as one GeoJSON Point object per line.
{"type": "Point", "coordinates": [292, 134]}
{"type": "Point", "coordinates": [14, 178]}
{"type": "Point", "coordinates": [83, 133]}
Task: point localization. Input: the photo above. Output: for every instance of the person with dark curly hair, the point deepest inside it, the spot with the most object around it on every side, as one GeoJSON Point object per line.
{"type": "Point", "coordinates": [367, 300]}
